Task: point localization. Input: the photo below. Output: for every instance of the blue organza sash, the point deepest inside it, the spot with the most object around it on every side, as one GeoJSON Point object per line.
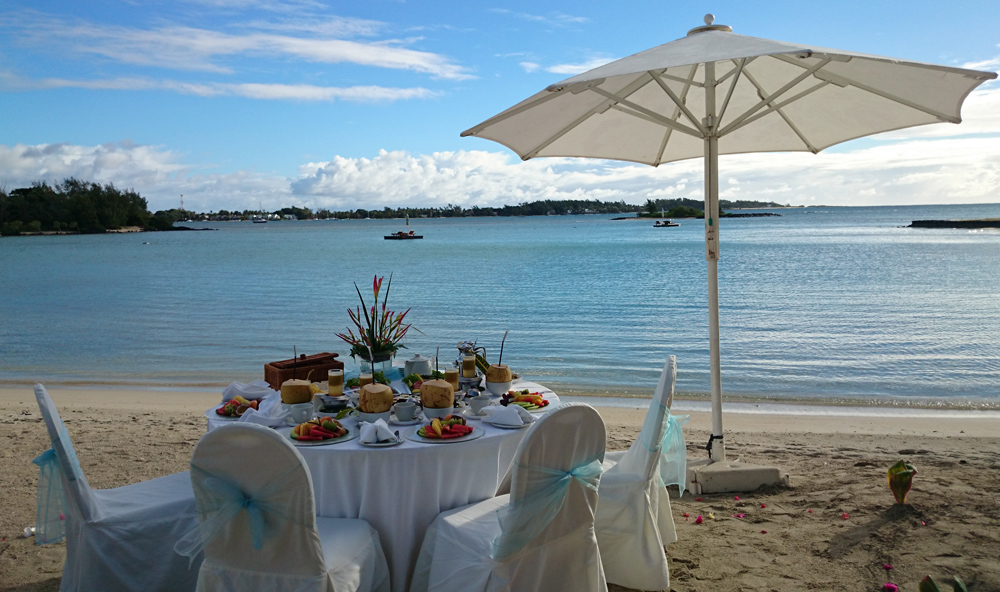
{"type": "Point", "coordinates": [670, 446]}
{"type": "Point", "coordinates": [673, 453]}
{"type": "Point", "coordinates": [221, 500]}
{"type": "Point", "coordinates": [525, 519]}
{"type": "Point", "coordinates": [54, 464]}
{"type": "Point", "coordinates": [51, 500]}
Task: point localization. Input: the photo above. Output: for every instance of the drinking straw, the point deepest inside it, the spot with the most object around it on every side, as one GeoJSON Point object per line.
{"type": "Point", "coordinates": [500, 360]}
{"type": "Point", "coordinates": [437, 356]}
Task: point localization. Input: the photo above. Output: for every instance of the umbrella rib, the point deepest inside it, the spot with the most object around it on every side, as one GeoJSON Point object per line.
{"type": "Point", "coordinates": [651, 115]}
{"type": "Point", "coordinates": [732, 87]}
{"type": "Point", "coordinates": [663, 74]}
{"type": "Point", "coordinates": [841, 80]}
{"type": "Point", "coordinates": [602, 106]}
{"type": "Point", "coordinates": [677, 112]}
{"type": "Point", "coordinates": [509, 113]}
{"type": "Point", "coordinates": [680, 104]}
{"type": "Point", "coordinates": [769, 98]}
{"type": "Point", "coordinates": [778, 109]}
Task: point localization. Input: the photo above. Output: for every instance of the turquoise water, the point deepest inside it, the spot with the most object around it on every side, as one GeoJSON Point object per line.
{"type": "Point", "coordinates": [820, 303]}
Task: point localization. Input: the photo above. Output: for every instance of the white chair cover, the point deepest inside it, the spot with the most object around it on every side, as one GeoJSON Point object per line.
{"type": "Point", "coordinates": [116, 539]}
{"type": "Point", "coordinates": [258, 524]}
{"type": "Point", "coordinates": [633, 520]}
{"type": "Point", "coordinates": [541, 535]}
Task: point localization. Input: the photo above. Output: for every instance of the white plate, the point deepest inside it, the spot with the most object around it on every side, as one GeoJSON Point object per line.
{"type": "Point", "coordinates": [382, 444]}
{"type": "Point", "coordinates": [507, 427]}
{"type": "Point", "coordinates": [477, 432]}
{"type": "Point", "coordinates": [352, 433]}
{"type": "Point", "coordinates": [468, 414]}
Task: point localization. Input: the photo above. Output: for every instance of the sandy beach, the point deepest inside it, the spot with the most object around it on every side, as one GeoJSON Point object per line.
{"type": "Point", "coordinates": [833, 529]}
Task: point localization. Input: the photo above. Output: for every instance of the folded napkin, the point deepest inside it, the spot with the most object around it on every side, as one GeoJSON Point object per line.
{"type": "Point", "coordinates": [258, 389]}
{"type": "Point", "coordinates": [375, 432]}
{"type": "Point", "coordinates": [511, 416]}
{"type": "Point", "coordinates": [269, 413]}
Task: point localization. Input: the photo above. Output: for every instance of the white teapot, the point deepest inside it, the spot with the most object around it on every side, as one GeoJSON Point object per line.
{"type": "Point", "coordinates": [418, 364]}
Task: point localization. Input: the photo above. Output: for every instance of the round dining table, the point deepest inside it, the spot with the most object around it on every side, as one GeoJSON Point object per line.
{"type": "Point", "coordinates": [400, 489]}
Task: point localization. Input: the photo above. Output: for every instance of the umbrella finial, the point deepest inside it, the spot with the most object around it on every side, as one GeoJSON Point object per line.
{"type": "Point", "coordinates": [711, 26]}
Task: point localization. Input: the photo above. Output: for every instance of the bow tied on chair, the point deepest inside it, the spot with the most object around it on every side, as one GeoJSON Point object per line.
{"type": "Point", "coordinates": [526, 518]}
{"type": "Point", "coordinates": [224, 501]}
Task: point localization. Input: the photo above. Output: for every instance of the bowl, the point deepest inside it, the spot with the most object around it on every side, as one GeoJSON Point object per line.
{"type": "Point", "coordinates": [439, 413]}
{"type": "Point", "coordinates": [330, 404]}
{"type": "Point", "coordinates": [498, 388]}
{"type": "Point", "coordinates": [373, 417]}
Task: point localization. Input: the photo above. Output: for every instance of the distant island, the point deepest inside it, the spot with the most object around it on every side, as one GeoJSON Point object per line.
{"type": "Point", "coordinates": [984, 223]}
{"type": "Point", "coordinates": [689, 208]}
{"type": "Point", "coordinates": [75, 206]}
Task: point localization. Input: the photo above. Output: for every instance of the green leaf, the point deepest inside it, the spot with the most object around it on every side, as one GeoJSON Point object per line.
{"type": "Point", "coordinates": [929, 585]}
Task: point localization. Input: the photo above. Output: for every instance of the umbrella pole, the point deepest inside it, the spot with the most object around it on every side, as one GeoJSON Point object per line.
{"type": "Point", "coordinates": [716, 446]}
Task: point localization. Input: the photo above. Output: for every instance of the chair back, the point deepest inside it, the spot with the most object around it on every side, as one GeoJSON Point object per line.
{"type": "Point", "coordinates": [79, 495]}
{"type": "Point", "coordinates": [569, 439]}
{"type": "Point", "coordinates": [643, 457]}
{"type": "Point", "coordinates": [272, 528]}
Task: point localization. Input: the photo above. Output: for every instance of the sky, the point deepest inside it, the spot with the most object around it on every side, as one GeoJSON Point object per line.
{"type": "Point", "coordinates": [238, 104]}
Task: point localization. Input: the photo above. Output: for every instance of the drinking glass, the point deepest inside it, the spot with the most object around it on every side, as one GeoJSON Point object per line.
{"type": "Point", "coordinates": [335, 379]}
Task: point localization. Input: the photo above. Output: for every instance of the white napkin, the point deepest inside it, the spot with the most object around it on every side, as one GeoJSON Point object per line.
{"type": "Point", "coordinates": [375, 432]}
{"type": "Point", "coordinates": [509, 416]}
{"type": "Point", "coordinates": [268, 413]}
{"type": "Point", "coordinates": [258, 389]}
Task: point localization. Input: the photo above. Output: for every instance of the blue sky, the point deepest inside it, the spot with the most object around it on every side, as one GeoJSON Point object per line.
{"type": "Point", "coordinates": [360, 104]}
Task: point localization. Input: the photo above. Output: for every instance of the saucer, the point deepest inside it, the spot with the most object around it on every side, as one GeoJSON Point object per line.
{"type": "Point", "coordinates": [394, 421]}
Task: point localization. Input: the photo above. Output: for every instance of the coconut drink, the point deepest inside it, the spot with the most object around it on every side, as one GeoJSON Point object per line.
{"type": "Point", "coordinates": [498, 379]}
{"type": "Point", "coordinates": [438, 398]}
{"type": "Point", "coordinates": [374, 402]}
{"type": "Point", "coordinates": [296, 391]}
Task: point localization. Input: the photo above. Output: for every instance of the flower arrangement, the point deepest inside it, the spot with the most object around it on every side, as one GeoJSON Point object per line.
{"type": "Point", "coordinates": [382, 330]}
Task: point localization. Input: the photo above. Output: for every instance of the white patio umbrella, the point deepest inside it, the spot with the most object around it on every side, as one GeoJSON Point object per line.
{"type": "Point", "coordinates": [714, 92]}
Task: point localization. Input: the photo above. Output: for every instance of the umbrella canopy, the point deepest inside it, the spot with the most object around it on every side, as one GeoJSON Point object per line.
{"type": "Point", "coordinates": [715, 92]}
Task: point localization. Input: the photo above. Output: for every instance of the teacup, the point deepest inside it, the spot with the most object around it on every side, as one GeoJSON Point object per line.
{"type": "Point", "coordinates": [478, 403]}
{"type": "Point", "coordinates": [405, 410]}
{"type": "Point", "coordinates": [300, 412]}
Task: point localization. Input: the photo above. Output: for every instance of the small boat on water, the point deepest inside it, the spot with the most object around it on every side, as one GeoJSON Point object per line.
{"type": "Point", "coordinates": [665, 224]}
{"type": "Point", "coordinates": [401, 235]}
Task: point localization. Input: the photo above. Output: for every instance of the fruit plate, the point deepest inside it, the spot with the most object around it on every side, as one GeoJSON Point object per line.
{"type": "Point", "coordinates": [211, 414]}
{"type": "Point", "coordinates": [477, 432]}
{"type": "Point", "coordinates": [352, 433]}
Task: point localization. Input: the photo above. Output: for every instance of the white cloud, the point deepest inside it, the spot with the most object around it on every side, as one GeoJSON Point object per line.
{"type": "Point", "coordinates": [296, 92]}
{"type": "Point", "coordinates": [573, 69]}
{"type": "Point", "coordinates": [529, 66]}
{"type": "Point", "coordinates": [157, 174]}
{"type": "Point", "coordinates": [189, 48]}
{"type": "Point", "coordinates": [554, 18]}
{"type": "Point", "coordinates": [917, 170]}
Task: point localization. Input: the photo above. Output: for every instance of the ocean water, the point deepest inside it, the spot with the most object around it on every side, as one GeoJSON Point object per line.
{"type": "Point", "coordinates": [820, 304]}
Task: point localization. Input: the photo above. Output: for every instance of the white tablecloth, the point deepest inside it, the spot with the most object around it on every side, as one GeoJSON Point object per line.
{"type": "Point", "coordinates": [401, 489]}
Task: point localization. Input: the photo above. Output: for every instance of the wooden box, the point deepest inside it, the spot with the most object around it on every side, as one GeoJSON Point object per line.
{"type": "Point", "coordinates": [276, 373]}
